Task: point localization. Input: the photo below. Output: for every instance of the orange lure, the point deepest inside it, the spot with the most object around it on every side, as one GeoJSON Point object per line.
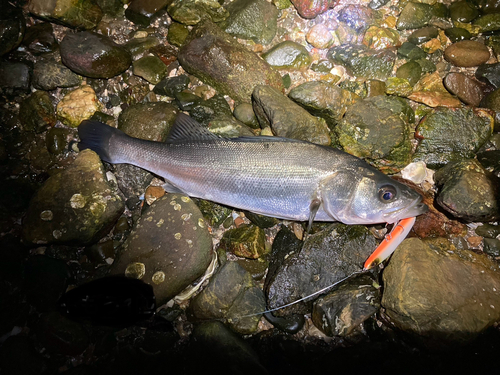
{"type": "Point", "coordinates": [390, 242]}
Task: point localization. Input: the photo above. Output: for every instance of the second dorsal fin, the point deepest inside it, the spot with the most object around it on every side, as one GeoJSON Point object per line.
{"type": "Point", "coordinates": [187, 129]}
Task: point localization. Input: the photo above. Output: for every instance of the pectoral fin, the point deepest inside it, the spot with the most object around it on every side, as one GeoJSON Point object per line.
{"type": "Point", "coordinates": [169, 188]}
{"type": "Point", "coordinates": [313, 210]}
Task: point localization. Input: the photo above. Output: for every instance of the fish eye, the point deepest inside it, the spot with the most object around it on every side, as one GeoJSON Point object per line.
{"type": "Point", "coordinates": [387, 193]}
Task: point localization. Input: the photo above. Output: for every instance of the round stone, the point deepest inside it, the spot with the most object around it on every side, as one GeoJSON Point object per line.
{"type": "Point", "coordinates": [467, 53]}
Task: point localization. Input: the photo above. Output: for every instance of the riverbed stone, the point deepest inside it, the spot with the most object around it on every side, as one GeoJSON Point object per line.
{"type": "Point", "coordinates": [489, 73]}
{"type": "Point", "coordinates": [449, 134]}
{"type": "Point", "coordinates": [492, 101]}
{"type": "Point", "coordinates": [378, 129]}
{"type": "Point", "coordinates": [80, 14]}
{"type": "Point", "coordinates": [288, 55]}
{"type": "Point", "coordinates": [230, 295]}
{"type": "Point", "coordinates": [468, 191]}
{"type": "Point", "coordinates": [311, 9]}
{"type": "Point", "coordinates": [78, 105]}
{"type": "Point", "coordinates": [191, 12]}
{"type": "Point", "coordinates": [463, 11]}
{"type": "Point", "coordinates": [467, 53]}
{"type": "Point", "coordinates": [94, 55]}
{"type": "Point", "coordinates": [363, 62]}
{"type": "Point", "coordinates": [49, 75]}
{"type": "Point", "coordinates": [247, 241]}
{"type": "Point", "coordinates": [440, 294]}
{"type": "Point", "coordinates": [488, 22]}
{"type": "Point", "coordinates": [414, 15]}
{"type": "Point", "coordinates": [12, 28]}
{"type": "Point", "coordinates": [169, 247]}
{"type": "Point", "coordinates": [37, 113]}
{"type": "Point", "coordinates": [206, 56]}
{"type": "Point", "coordinates": [151, 68]}
{"type": "Point", "coordinates": [286, 118]}
{"type": "Point", "coordinates": [252, 20]}
{"type": "Point", "coordinates": [76, 206]}
{"type": "Point", "coordinates": [465, 88]}
{"type": "Point", "coordinates": [325, 258]}
{"type": "Point", "coordinates": [142, 12]}
{"type": "Point", "coordinates": [324, 99]}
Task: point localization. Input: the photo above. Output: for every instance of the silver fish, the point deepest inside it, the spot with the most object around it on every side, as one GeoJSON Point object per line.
{"type": "Point", "coordinates": [278, 177]}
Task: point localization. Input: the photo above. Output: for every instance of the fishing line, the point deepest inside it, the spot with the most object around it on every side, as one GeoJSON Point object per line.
{"type": "Point", "coordinates": [303, 298]}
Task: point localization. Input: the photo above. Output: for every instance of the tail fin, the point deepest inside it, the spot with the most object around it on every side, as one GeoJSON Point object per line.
{"type": "Point", "coordinates": [96, 136]}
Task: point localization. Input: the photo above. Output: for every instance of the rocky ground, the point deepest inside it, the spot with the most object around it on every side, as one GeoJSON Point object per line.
{"type": "Point", "coordinates": [412, 87]}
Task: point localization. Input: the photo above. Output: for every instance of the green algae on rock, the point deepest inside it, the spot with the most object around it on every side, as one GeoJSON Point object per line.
{"type": "Point", "coordinates": [247, 241]}
{"type": "Point", "coordinates": [191, 12]}
{"type": "Point", "coordinates": [218, 59]}
{"type": "Point", "coordinates": [414, 16]}
{"type": "Point", "coordinates": [378, 129]}
{"type": "Point", "coordinates": [286, 118]}
{"type": "Point", "coordinates": [468, 191]}
{"type": "Point", "coordinates": [80, 14]}
{"type": "Point", "coordinates": [252, 20]}
{"type": "Point", "coordinates": [36, 112]}
{"type": "Point", "coordinates": [151, 68]}
{"type": "Point", "coordinates": [76, 206]}
{"type": "Point", "coordinates": [49, 75]}
{"type": "Point", "coordinates": [169, 247]}
{"type": "Point", "coordinates": [449, 134]}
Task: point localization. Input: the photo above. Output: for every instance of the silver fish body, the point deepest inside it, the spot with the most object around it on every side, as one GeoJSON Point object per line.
{"type": "Point", "coordinates": [273, 176]}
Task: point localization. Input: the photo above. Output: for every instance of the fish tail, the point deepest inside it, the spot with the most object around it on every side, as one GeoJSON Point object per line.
{"type": "Point", "coordinates": [98, 137]}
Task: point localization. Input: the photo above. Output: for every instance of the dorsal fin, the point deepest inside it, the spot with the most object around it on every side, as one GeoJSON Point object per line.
{"type": "Point", "coordinates": [187, 129]}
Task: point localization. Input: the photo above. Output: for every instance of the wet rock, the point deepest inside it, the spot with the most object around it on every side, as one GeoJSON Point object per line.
{"type": "Point", "coordinates": [398, 87]}
{"type": "Point", "coordinates": [14, 77]}
{"type": "Point", "coordinates": [247, 241]}
{"type": "Point", "coordinates": [142, 12]}
{"type": "Point", "coordinates": [220, 349]}
{"type": "Point", "coordinates": [172, 85]}
{"type": "Point", "coordinates": [411, 71]}
{"type": "Point", "coordinates": [12, 27]}
{"type": "Point", "coordinates": [423, 35]}
{"type": "Point", "coordinates": [456, 34]}
{"type": "Point", "coordinates": [492, 247]}
{"type": "Point", "coordinates": [78, 105]}
{"type": "Point", "coordinates": [76, 206]}
{"type": "Point", "coordinates": [325, 258]}
{"type": "Point", "coordinates": [341, 312]}
{"type": "Point", "coordinates": [431, 91]}
{"type": "Point", "coordinates": [40, 38]}
{"type": "Point", "coordinates": [467, 53]}
{"type": "Point", "coordinates": [378, 129]}
{"type": "Point", "coordinates": [324, 100]}
{"type": "Point", "coordinates": [411, 51]}
{"type": "Point", "coordinates": [357, 17]}
{"type": "Point", "coordinates": [36, 112]}
{"type": "Point", "coordinates": [191, 12]}
{"type": "Point", "coordinates": [260, 220]}
{"type": "Point", "coordinates": [414, 16]}
{"type": "Point", "coordinates": [138, 46]}
{"type": "Point", "coordinates": [489, 73]}
{"type": "Point", "coordinates": [381, 38]}
{"type": "Point", "coordinates": [60, 335]}
{"type": "Point", "coordinates": [490, 160]}
{"type": "Point", "coordinates": [290, 324]}
{"type": "Point", "coordinates": [440, 294]}
{"type": "Point", "coordinates": [492, 101]}
{"type": "Point", "coordinates": [132, 181]}
{"type": "Point", "coordinates": [244, 113]}
{"type": "Point", "coordinates": [252, 20]}
{"type": "Point", "coordinates": [286, 118]}
{"type": "Point", "coordinates": [214, 213]}
{"type": "Point", "coordinates": [177, 34]}
{"type": "Point", "coordinates": [227, 126]}
{"type": "Point", "coordinates": [46, 280]}
{"type": "Point", "coordinates": [466, 89]}
{"type": "Point", "coordinates": [80, 14]}
{"type": "Point", "coordinates": [207, 53]}
{"type": "Point", "coordinates": [151, 68]}
{"type": "Point", "coordinates": [448, 134]}
{"type": "Point", "coordinates": [488, 230]}
{"type": "Point", "coordinates": [94, 55]}
{"type": "Point", "coordinates": [463, 11]}
{"type": "Point", "coordinates": [311, 9]}
{"type": "Point", "coordinates": [320, 36]}
{"type": "Point", "coordinates": [169, 248]}
{"type": "Point", "coordinates": [468, 191]}
{"type": "Point", "coordinates": [150, 121]}
{"type": "Point", "coordinates": [288, 55]}
{"type": "Point", "coordinates": [488, 22]}
{"type": "Point", "coordinates": [363, 62]}
{"type": "Point", "coordinates": [49, 75]}
{"type": "Point", "coordinates": [230, 295]}
{"type": "Point", "coordinates": [57, 140]}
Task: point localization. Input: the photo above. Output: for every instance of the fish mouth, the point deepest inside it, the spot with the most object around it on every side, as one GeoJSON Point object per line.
{"type": "Point", "coordinates": [415, 208]}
